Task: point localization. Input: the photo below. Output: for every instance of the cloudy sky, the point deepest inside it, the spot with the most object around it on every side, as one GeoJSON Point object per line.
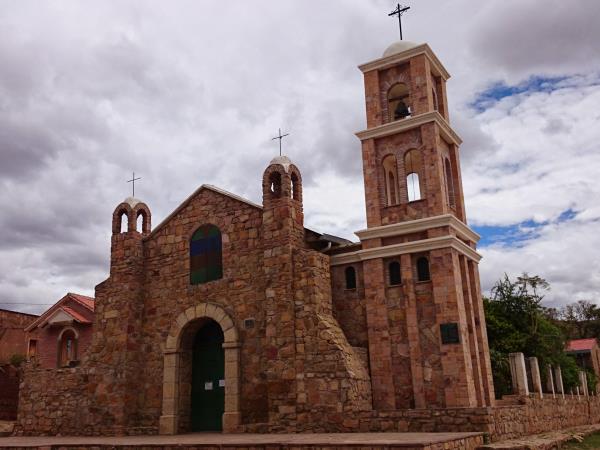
{"type": "Point", "coordinates": [190, 92]}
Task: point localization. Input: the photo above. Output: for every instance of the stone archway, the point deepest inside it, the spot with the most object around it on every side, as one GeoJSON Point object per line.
{"type": "Point", "coordinates": [171, 405]}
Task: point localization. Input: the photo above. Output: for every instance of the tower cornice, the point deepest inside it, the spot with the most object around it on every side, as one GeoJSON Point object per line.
{"type": "Point", "coordinates": [409, 123]}
{"type": "Point", "coordinates": [423, 245]}
{"type": "Point", "coordinates": [389, 61]}
{"type": "Point", "coordinates": [414, 226]}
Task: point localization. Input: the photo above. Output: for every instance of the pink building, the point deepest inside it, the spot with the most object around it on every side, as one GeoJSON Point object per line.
{"type": "Point", "coordinates": [60, 336]}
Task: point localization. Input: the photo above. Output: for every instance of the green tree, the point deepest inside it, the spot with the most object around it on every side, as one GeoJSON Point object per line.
{"type": "Point", "coordinates": [517, 322]}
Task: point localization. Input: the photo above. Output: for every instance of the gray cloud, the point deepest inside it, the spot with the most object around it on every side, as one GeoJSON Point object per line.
{"type": "Point", "coordinates": [187, 93]}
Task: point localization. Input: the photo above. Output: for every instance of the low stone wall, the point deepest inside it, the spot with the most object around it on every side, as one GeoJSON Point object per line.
{"type": "Point", "coordinates": [61, 402]}
{"type": "Point", "coordinates": [540, 415]}
{"type": "Point", "coordinates": [531, 416]}
{"type": "Point", "coordinates": [65, 402]}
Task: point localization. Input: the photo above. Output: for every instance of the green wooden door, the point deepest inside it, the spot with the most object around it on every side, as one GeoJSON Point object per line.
{"type": "Point", "coordinates": [208, 379]}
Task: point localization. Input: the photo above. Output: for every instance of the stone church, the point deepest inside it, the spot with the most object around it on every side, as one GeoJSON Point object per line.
{"type": "Point", "coordinates": [230, 315]}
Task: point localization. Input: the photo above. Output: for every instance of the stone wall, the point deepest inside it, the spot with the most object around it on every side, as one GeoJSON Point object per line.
{"type": "Point", "coordinates": [69, 403]}
{"type": "Point", "coordinates": [540, 415]}
{"type": "Point", "coordinates": [13, 339]}
{"type": "Point", "coordinates": [9, 392]}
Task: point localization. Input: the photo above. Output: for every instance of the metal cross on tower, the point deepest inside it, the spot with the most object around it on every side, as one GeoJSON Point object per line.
{"type": "Point", "coordinates": [132, 181]}
{"type": "Point", "coordinates": [399, 11]}
{"type": "Point", "coordinates": [280, 137]}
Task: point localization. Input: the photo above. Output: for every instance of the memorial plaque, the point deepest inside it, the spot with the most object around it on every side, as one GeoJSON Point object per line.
{"type": "Point", "coordinates": [449, 333]}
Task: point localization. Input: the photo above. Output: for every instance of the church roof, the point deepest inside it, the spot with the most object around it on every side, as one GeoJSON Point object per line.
{"type": "Point", "coordinates": [209, 187]}
{"type": "Point", "coordinates": [581, 345]}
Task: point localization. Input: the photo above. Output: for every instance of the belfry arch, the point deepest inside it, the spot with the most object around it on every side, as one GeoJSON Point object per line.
{"type": "Point", "coordinates": [176, 399]}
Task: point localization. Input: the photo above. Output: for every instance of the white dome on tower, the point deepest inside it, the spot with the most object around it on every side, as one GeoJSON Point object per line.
{"type": "Point", "coordinates": [132, 201]}
{"type": "Point", "coordinates": [398, 47]}
{"type": "Point", "coordinates": [282, 161]}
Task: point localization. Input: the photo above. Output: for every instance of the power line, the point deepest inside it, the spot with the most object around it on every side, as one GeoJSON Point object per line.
{"type": "Point", "coordinates": [28, 304]}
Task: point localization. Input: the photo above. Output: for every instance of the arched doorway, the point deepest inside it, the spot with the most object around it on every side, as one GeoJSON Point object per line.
{"type": "Point", "coordinates": [179, 363]}
{"type": "Point", "coordinates": [208, 379]}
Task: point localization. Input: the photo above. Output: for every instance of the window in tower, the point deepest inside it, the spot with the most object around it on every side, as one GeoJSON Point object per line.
{"type": "Point", "coordinates": [423, 269]}
{"type": "Point", "coordinates": [206, 258]}
{"type": "Point", "coordinates": [398, 106]}
{"type": "Point", "coordinates": [435, 99]}
{"type": "Point", "coordinates": [412, 167]}
{"type": "Point", "coordinates": [391, 183]}
{"type": "Point", "coordinates": [449, 183]}
{"type": "Point", "coordinates": [350, 274]}
{"type": "Point", "coordinates": [395, 277]}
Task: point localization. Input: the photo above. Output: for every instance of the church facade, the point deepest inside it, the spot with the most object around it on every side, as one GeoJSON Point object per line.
{"type": "Point", "coordinates": [233, 316]}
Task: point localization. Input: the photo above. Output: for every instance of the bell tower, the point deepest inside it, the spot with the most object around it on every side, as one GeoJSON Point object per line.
{"type": "Point", "coordinates": [426, 325]}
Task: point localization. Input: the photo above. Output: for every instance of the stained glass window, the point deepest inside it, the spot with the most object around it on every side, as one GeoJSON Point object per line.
{"type": "Point", "coordinates": [206, 259]}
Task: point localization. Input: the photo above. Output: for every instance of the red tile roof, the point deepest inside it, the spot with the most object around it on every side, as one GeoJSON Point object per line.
{"type": "Point", "coordinates": [88, 302]}
{"type": "Point", "coordinates": [578, 345]}
{"type": "Point", "coordinates": [77, 316]}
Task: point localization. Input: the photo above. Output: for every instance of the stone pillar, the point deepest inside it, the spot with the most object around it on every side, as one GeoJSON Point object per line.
{"type": "Point", "coordinates": [583, 383]}
{"type": "Point", "coordinates": [550, 381]}
{"type": "Point", "coordinates": [535, 376]}
{"type": "Point", "coordinates": [518, 374]}
{"type": "Point", "coordinates": [559, 382]}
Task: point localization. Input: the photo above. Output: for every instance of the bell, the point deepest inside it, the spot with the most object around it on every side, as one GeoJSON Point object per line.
{"type": "Point", "coordinates": [401, 111]}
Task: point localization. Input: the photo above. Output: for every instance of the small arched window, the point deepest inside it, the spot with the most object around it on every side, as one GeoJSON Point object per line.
{"type": "Point", "coordinates": [350, 274]}
{"type": "Point", "coordinates": [275, 184]}
{"type": "Point", "coordinates": [206, 258]}
{"type": "Point", "coordinates": [391, 185]}
{"type": "Point", "coordinates": [295, 194]}
{"type": "Point", "coordinates": [395, 276]}
{"type": "Point", "coordinates": [67, 348]}
{"type": "Point", "coordinates": [123, 222]}
{"type": "Point", "coordinates": [435, 99]}
{"type": "Point", "coordinates": [423, 269]}
{"type": "Point", "coordinates": [398, 106]}
{"type": "Point", "coordinates": [412, 167]}
{"type": "Point", "coordinates": [449, 183]}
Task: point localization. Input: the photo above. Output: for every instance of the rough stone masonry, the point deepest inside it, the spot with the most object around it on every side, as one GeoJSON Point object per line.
{"type": "Point", "coordinates": [316, 333]}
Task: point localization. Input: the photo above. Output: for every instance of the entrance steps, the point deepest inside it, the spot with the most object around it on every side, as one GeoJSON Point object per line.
{"type": "Point", "coordinates": [201, 441]}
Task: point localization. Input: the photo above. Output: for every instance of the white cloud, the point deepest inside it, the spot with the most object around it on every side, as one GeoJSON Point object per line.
{"type": "Point", "coordinates": [189, 92]}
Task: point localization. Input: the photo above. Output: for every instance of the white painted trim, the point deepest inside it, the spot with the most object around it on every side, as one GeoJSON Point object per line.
{"type": "Point", "coordinates": [406, 247]}
{"type": "Point", "coordinates": [437, 67]}
{"type": "Point", "coordinates": [64, 330]}
{"type": "Point", "coordinates": [414, 226]}
{"type": "Point", "coordinates": [398, 126]}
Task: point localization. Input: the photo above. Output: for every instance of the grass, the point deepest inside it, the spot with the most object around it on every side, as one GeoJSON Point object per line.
{"type": "Point", "coordinates": [589, 443]}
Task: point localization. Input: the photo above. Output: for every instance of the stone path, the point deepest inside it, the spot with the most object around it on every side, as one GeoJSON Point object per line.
{"type": "Point", "coordinates": [270, 441]}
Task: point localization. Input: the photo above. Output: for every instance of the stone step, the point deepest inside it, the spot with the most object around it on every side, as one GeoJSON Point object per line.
{"type": "Point", "coordinates": [404, 441]}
